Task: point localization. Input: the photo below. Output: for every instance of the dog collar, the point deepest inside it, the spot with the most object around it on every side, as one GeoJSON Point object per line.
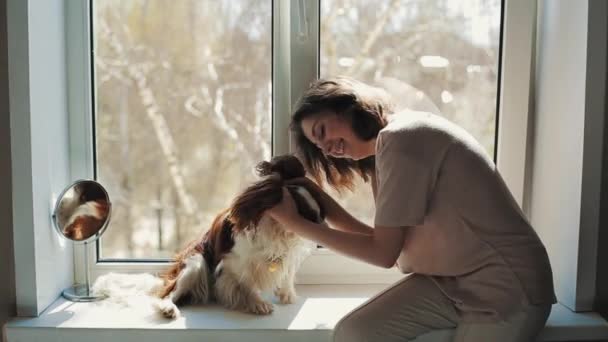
{"type": "Point", "coordinates": [274, 264]}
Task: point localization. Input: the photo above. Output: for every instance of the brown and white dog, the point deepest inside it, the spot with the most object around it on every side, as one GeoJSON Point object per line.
{"type": "Point", "coordinates": [245, 252]}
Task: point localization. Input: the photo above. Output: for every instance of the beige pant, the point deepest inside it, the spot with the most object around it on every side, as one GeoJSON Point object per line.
{"type": "Point", "coordinates": [415, 306]}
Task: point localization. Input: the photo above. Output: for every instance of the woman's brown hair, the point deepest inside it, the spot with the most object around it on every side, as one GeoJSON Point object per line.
{"type": "Point", "coordinates": [363, 105]}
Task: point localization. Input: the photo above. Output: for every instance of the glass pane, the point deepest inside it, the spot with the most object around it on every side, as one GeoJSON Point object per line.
{"type": "Point", "coordinates": [434, 55]}
{"type": "Point", "coordinates": [182, 115]}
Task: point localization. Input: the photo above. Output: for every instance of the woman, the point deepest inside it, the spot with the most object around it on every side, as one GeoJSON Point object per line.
{"type": "Point", "coordinates": [443, 214]}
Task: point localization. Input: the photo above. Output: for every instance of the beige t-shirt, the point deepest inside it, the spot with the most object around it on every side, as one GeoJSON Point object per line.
{"type": "Point", "coordinates": [463, 226]}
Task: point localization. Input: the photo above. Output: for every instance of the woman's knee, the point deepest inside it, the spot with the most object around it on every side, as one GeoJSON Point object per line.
{"type": "Point", "coordinates": [360, 327]}
{"type": "Point", "coordinates": [404, 311]}
{"type": "Point", "coordinates": [352, 328]}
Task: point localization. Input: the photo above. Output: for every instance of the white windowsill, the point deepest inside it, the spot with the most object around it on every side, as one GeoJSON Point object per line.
{"type": "Point", "coordinates": [312, 318]}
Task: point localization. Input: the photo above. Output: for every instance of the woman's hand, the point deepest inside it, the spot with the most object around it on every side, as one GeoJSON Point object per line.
{"type": "Point", "coordinates": [309, 184]}
{"type": "Point", "coordinates": [380, 246]}
{"type": "Point", "coordinates": [325, 201]}
{"type": "Point", "coordinates": [286, 211]}
{"type": "Point", "coordinates": [337, 216]}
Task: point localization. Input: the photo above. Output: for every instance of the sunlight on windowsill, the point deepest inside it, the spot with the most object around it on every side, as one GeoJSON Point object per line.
{"type": "Point", "coordinates": [312, 318]}
{"type": "Point", "coordinates": [317, 307]}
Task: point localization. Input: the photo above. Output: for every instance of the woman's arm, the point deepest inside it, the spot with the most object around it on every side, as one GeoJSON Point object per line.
{"type": "Point", "coordinates": [380, 248]}
{"type": "Point", "coordinates": [335, 214]}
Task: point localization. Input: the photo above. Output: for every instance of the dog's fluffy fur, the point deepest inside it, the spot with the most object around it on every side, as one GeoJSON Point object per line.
{"type": "Point", "coordinates": [245, 252]}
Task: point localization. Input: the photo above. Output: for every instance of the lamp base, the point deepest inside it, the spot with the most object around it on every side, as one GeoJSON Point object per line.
{"type": "Point", "coordinates": [80, 293]}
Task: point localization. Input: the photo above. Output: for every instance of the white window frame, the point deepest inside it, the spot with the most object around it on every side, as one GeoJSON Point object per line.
{"type": "Point", "coordinates": [295, 65]}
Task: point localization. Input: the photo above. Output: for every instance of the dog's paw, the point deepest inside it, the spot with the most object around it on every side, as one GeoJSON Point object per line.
{"type": "Point", "coordinates": [260, 308]}
{"type": "Point", "coordinates": [286, 296]}
{"type": "Point", "coordinates": [168, 309]}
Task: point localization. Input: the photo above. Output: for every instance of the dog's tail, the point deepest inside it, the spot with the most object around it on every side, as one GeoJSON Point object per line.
{"type": "Point", "coordinates": [190, 286]}
{"type": "Point", "coordinates": [189, 279]}
{"type": "Point", "coordinates": [192, 283]}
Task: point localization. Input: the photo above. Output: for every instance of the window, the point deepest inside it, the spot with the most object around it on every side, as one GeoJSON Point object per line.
{"type": "Point", "coordinates": [436, 56]}
{"type": "Point", "coordinates": [189, 96]}
{"type": "Point", "coordinates": [40, 98]}
{"type": "Point", "coordinates": [182, 115]}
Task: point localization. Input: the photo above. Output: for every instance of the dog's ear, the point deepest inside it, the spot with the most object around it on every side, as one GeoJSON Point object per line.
{"type": "Point", "coordinates": [286, 166]}
{"type": "Point", "coordinates": [308, 205]}
{"type": "Point", "coordinates": [248, 208]}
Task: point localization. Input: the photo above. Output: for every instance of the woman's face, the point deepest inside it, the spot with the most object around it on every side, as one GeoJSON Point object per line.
{"type": "Point", "coordinates": [335, 137]}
